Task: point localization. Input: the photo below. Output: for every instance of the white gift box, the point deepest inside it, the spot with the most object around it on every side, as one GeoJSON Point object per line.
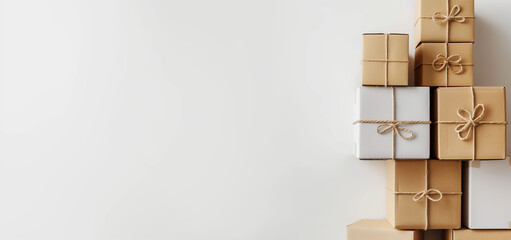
{"type": "Point", "coordinates": [487, 194]}
{"type": "Point", "coordinates": [376, 104]}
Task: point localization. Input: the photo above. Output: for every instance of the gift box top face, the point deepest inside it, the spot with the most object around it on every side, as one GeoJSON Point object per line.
{"type": "Point", "coordinates": [375, 48]}
{"type": "Point", "coordinates": [450, 99]}
{"type": "Point", "coordinates": [410, 175]}
{"type": "Point", "coordinates": [487, 195]}
{"type": "Point", "coordinates": [367, 229]}
{"type": "Point", "coordinates": [376, 103]}
{"type": "Point", "coordinates": [468, 234]}
{"type": "Point", "coordinates": [427, 8]}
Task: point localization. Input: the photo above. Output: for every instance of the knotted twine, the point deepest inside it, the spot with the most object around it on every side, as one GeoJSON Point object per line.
{"type": "Point", "coordinates": [446, 62]}
{"type": "Point", "coordinates": [386, 60]}
{"type": "Point", "coordinates": [427, 195]}
{"type": "Point", "coordinates": [392, 126]}
{"type": "Point", "coordinates": [470, 120]}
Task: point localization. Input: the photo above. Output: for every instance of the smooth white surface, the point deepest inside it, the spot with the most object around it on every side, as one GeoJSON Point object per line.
{"type": "Point", "coordinates": [487, 195]}
{"type": "Point", "coordinates": [375, 103]}
{"type": "Point", "coordinates": [228, 119]}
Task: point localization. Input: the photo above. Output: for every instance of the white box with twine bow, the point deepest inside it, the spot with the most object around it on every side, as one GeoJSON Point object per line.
{"type": "Point", "coordinates": [487, 197]}
{"type": "Point", "coordinates": [392, 123]}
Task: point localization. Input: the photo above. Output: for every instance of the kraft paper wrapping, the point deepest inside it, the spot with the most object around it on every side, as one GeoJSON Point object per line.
{"type": "Point", "coordinates": [490, 139]}
{"type": "Point", "coordinates": [468, 234]}
{"type": "Point", "coordinates": [367, 229]}
{"type": "Point", "coordinates": [385, 59]}
{"type": "Point", "coordinates": [427, 30]}
{"type": "Point", "coordinates": [404, 176]}
{"type": "Point", "coordinates": [450, 75]}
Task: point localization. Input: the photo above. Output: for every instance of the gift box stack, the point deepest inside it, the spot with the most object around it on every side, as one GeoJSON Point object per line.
{"type": "Point", "coordinates": [461, 183]}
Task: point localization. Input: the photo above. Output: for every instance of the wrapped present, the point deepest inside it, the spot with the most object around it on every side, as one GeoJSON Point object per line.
{"type": "Point", "coordinates": [487, 198]}
{"type": "Point", "coordinates": [424, 194]}
{"type": "Point", "coordinates": [469, 123]}
{"type": "Point", "coordinates": [439, 64]}
{"type": "Point", "coordinates": [392, 123]}
{"type": "Point", "coordinates": [469, 234]}
{"type": "Point", "coordinates": [385, 59]}
{"type": "Point", "coordinates": [380, 230]}
{"type": "Point", "coordinates": [444, 21]}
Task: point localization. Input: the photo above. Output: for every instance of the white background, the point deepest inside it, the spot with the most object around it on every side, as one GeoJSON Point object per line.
{"type": "Point", "coordinates": [198, 119]}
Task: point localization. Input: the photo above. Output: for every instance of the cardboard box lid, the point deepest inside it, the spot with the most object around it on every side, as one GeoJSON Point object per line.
{"type": "Point", "coordinates": [410, 175]}
{"type": "Point", "coordinates": [468, 234]}
{"type": "Point", "coordinates": [368, 229]}
{"type": "Point", "coordinates": [450, 99]}
{"type": "Point", "coordinates": [426, 8]}
{"type": "Point", "coordinates": [374, 46]}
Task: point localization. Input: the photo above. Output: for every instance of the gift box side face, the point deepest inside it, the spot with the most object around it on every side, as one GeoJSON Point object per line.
{"type": "Point", "coordinates": [374, 48]}
{"type": "Point", "coordinates": [413, 103]}
{"type": "Point", "coordinates": [373, 104]}
{"type": "Point", "coordinates": [490, 138]}
{"type": "Point", "coordinates": [445, 176]}
{"type": "Point", "coordinates": [378, 230]}
{"type": "Point", "coordinates": [487, 199]}
{"type": "Point", "coordinates": [426, 75]}
{"type": "Point", "coordinates": [469, 234]}
{"type": "Point", "coordinates": [406, 176]}
{"type": "Point", "coordinates": [427, 30]}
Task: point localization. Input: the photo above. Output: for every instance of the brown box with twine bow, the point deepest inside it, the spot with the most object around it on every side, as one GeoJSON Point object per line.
{"type": "Point", "coordinates": [469, 123]}
{"type": "Point", "coordinates": [440, 64]}
{"type": "Point", "coordinates": [444, 21]}
{"type": "Point", "coordinates": [385, 59]}
{"type": "Point", "coordinates": [424, 194]}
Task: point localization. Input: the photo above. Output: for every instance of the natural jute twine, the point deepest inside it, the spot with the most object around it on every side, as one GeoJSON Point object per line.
{"type": "Point", "coordinates": [446, 62]}
{"type": "Point", "coordinates": [470, 120]}
{"type": "Point", "coordinates": [386, 60]}
{"type": "Point", "coordinates": [428, 194]}
{"type": "Point", "coordinates": [392, 126]}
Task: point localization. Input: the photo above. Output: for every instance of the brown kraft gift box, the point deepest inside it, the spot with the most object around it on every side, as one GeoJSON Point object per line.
{"type": "Point", "coordinates": [424, 194]}
{"type": "Point", "coordinates": [469, 123]}
{"type": "Point", "coordinates": [385, 59]}
{"type": "Point", "coordinates": [380, 230]}
{"type": "Point", "coordinates": [444, 21]}
{"type": "Point", "coordinates": [467, 234]}
{"type": "Point", "coordinates": [437, 68]}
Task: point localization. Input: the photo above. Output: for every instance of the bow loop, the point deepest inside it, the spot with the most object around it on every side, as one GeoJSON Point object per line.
{"type": "Point", "coordinates": [428, 194]}
{"type": "Point", "coordinates": [395, 129]}
{"type": "Point", "coordinates": [452, 62]}
{"type": "Point", "coordinates": [453, 16]}
{"type": "Point", "coordinates": [471, 119]}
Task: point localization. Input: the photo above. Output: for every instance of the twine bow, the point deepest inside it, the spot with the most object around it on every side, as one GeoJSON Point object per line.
{"type": "Point", "coordinates": [427, 193]}
{"type": "Point", "coordinates": [472, 121]}
{"type": "Point", "coordinates": [395, 129]}
{"type": "Point", "coordinates": [452, 62]}
{"type": "Point", "coordinates": [442, 18]}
